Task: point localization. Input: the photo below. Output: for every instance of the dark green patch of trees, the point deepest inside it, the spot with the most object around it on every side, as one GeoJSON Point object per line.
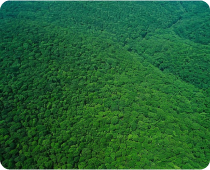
{"type": "Point", "coordinates": [96, 85]}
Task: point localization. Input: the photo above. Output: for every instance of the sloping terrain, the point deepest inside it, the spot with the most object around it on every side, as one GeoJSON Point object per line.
{"type": "Point", "coordinates": [80, 91]}
{"type": "Point", "coordinates": [179, 30]}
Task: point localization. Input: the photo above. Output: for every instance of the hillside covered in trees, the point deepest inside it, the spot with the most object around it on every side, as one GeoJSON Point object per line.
{"type": "Point", "coordinates": [105, 85]}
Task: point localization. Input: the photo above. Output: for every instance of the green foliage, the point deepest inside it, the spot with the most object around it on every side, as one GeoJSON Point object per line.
{"type": "Point", "coordinates": [115, 120]}
{"type": "Point", "coordinates": [104, 85]}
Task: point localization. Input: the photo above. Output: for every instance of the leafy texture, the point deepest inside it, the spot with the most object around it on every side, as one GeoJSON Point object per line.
{"type": "Point", "coordinates": [96, 85]}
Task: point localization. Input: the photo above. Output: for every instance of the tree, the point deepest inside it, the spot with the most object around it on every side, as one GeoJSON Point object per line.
{"type": "Point", "coordinates": [114, 120]}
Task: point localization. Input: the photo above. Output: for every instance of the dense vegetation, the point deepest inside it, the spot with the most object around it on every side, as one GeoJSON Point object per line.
{"type": "Point", "coordinates": [105, 85]}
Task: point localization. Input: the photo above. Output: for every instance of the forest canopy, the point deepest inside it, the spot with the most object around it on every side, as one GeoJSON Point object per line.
{"type": "Point", "coordinates": [105, 85]}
